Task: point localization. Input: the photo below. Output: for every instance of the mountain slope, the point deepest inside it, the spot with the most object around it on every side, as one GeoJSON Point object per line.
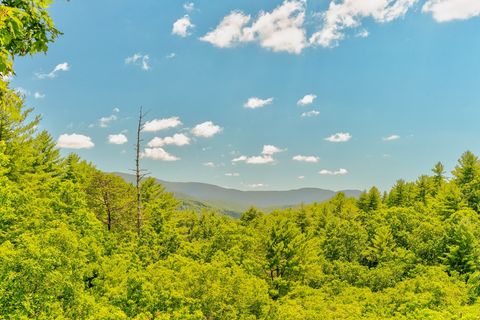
{"type": "Point", "coordinates": [238, 201]}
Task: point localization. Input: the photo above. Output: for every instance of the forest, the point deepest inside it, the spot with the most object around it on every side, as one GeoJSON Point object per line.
{"type": "Point", "coordinates": [71, 248]}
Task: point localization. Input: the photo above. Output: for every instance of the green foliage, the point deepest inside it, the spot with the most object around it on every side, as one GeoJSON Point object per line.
{"type": "Point", "coordinates": [467, 177]}
{"type": "Point", "coordinates": [25, 28]}
{"type": "Point", "coordinates": [69, 248]}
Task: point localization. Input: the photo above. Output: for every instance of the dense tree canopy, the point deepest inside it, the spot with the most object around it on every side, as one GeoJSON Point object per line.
{"type": "Point", "coordinates": [69, 247]}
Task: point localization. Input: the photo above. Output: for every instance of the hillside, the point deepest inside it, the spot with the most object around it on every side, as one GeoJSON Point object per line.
{"type": "Point", "coordinates": [236, 201]}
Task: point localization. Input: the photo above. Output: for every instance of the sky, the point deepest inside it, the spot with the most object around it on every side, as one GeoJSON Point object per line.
{"type": "Point", "coordinates": [263, 95]}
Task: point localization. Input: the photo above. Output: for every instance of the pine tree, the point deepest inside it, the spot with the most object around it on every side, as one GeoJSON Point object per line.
{"type": "Point", "coordinates": [467, 177]}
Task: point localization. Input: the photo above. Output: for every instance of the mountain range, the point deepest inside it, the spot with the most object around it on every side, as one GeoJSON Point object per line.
{"type": "Point", "coordinates": [233, 202]}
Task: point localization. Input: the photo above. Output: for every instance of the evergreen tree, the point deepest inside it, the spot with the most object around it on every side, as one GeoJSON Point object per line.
{"type": "Point", "coordinates": [467, 176]}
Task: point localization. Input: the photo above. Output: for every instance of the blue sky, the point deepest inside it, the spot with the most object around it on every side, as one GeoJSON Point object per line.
{"type": "Point", "coordinates": [393, 87]}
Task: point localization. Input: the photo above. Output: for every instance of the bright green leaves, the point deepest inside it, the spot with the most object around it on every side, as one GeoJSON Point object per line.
{"type": "Point", "coordinates": [286, 249]}
{"type": "Point", "coordinates": [25, 28]}
{"type": "Point", "coordinates": [467, 177]}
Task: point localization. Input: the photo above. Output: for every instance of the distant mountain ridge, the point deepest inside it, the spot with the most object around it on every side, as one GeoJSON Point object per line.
{"type": "Point", "coordinates": [236, 201]}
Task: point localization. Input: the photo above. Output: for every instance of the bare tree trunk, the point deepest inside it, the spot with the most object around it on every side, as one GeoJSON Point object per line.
{"type": "Point", "coordinates": [106, 203]}
{"type": "Point", "coordinates": [138, 174]}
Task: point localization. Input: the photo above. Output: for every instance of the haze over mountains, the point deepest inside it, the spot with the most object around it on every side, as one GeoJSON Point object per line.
{"type": "Point", "coordinates": [233, 201]}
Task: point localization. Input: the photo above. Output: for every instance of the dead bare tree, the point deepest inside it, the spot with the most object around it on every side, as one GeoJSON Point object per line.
{"type": "Point", "coordinates": [139, 173]}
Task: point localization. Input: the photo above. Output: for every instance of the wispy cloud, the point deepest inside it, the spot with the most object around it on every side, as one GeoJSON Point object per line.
{"type": "Point", "coordinates": [348, 14]}
{"type": "Point", "coordinates": [311, 159]}
{"type": "Point", "coordinates": [232, 174]}
{"type": "Point", "coordinates": [62, 67]}
{"type": "Point", "coordinates": [38, 95]}
{"type": "Point", "coordinates": [209, 164]}
{"type": "Point", "coordinates": [312, 113]}
{"type": "Point", "coordinates": [104, 122]}
{"type": "Point", "coordinates": [189, 6]}
{"type": "Point", "coordinates": [391, 137]}
{"type": "Point", "coordinates": [141, 60]}
{"type": "Point", "coordinates": [339, 137]}
{"type": "Point", "coordinates": [362, 33]}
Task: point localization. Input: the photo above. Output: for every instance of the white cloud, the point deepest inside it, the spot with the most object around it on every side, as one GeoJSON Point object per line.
{"type": "Point", "coordinates": [348, 14]}
{"type": "Point", "coordinates": [339, 172]}
{"type": "Point", "coordinates": [254, 103]}
{"type": "Point", "coordinates": [183, 26]}
{"type": "Point", "coordinates": [75, 141]}
{"type": "Point", "coordinates": [391, 138]}
{"type": "Point", "coordinates": [105, 121]}
{"type": "Point", "coordinates": [310, 159]}
{"type": "Point", "coordinates": [141, 60]}
{"type": "Point", "coordinates": [135, 58]}
{"type": "Point", "coordinates": [448, 10]}
{"type": "Point", "coordinates": [158, 154]}
{"type": "Point", "coordinates": [232, 174]}
{"type": "Point", "coordinates": [62, 67]}
{"type": "Point", "coordinates": [339, 137]}
{"type": "Point", "coordinates": [38, 95]}
{"type": "Point", "coordinates": [301, 177]}
{"type": "Point", "coordinates": [363, 33]}
{"type": "Point", "coordinates": [171, 55]}
{"type": "Point", "coordinates": [161, 124]}
{"type": "Point", "coordinates": [189, 6]}
{"type": "Point", "coordinates": [229, 32]}
{"type": "Point", "coordinates": [265, 158]}
{"type": "Point", "coordinates": [270, 150]}
{"type": "Point", "coordinates": [312, 113]}
{"type": "Point", "coordinates": [209, 164]}
{"type": "Point", "coordinates": [278, 30]}
{"type": "Point", "coordinates": [145, 63]}
{"type": "Point", "coordinates": [117, 138]}
{"type": "Point", "coordinates": [306, 100]}
{"type": "Point", "coordinates": [206, 130]}
{"type": "Point", "coordinates": [240, 159]}
{"type": "Point", "coordinates": [178, 139]}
